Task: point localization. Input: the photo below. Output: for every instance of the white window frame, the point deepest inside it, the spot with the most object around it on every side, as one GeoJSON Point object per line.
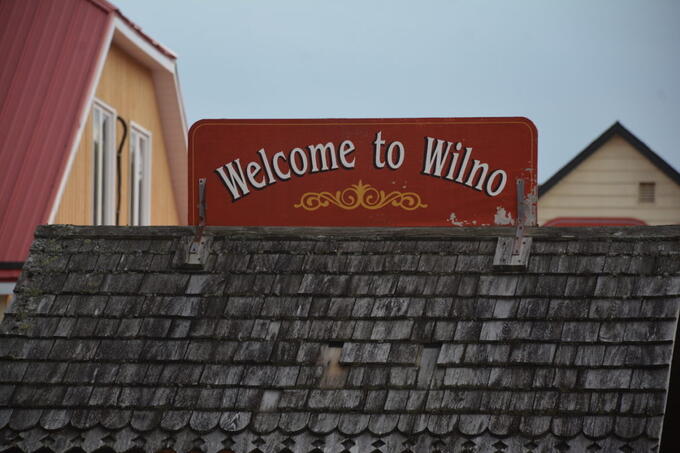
{"type": "Point", "coordinates": [103, 164]}
{"type": "Point", "coordinates": [140, 154]}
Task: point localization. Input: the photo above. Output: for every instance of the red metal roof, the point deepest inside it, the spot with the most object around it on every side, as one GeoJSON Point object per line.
{"type": "Point", "coordinates": [49, 52]}
{"type": "Point", "coordinates": [593, 221]}
{"type": "Point", "coordinates": [112, 8]}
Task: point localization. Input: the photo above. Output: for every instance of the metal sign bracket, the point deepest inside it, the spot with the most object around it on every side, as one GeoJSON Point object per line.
{"type": "Point", "coordinates": [512, 253]}
{"type": "Point", "coordinates": [195, 250]}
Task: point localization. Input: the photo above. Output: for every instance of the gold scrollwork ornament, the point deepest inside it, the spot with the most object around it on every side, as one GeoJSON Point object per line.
{"type": "Point", "coordinates": [360, 196]}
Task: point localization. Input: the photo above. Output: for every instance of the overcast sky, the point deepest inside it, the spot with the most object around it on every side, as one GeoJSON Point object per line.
{"type": "Point", "coordinates": [574, 67]}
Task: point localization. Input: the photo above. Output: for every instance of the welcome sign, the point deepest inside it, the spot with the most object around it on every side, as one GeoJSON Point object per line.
{"type": "Point", "coordinates": [362, 172]}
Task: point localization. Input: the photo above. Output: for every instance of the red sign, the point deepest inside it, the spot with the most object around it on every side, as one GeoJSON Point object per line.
{"type": "Point", "coordinates": [362, 172]}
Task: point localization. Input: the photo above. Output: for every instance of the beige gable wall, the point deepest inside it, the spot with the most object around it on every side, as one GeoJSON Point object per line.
{"type": "Point", "coordinates": [128, 87]}
{"type": "Point", "coordinates": [606, 185]}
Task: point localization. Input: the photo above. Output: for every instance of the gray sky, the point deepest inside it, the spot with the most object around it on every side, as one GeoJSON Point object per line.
{"type": "Point", "coordinates": [573, 67]}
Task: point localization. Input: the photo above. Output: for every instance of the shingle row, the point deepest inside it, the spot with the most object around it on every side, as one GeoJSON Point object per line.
{"type": "Point", "coordinates": [350, 331]}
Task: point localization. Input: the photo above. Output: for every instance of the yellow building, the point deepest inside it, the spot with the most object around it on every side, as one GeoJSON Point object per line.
{"type": "Point", "coordinates": [616, 180]}
{"type": "Point", "coordinates": [92, 127]}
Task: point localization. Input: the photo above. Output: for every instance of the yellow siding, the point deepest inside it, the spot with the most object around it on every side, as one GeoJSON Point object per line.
{"type": "Point", "coordinates": [128, 87]}
{"type": "Point", "coordinates": [76, 202]}
{"type": "Point", "coordinates": [4, 303]}
{"type": "Point", "coordinates": [606, 185]}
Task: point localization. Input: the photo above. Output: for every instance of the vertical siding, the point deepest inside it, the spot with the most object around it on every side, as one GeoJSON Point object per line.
{"type": "Point", "coordinates": [128, 87]}
{"type": "Point", "coordinates": [606, 185]}
{"type": "Point", "coordinates": [76, 201]}
{"type": "Point", "coordinates": [4, 302]}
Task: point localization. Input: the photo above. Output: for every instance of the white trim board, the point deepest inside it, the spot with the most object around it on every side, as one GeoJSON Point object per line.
{"type": "Point", "coordinates": [84, 114]}
{"type": "Point", "coordinates": [146, 181]}
{"type": "Point", "coordinates": [128, 38]}
{"type": "Point", "coordinates": [7, 287]}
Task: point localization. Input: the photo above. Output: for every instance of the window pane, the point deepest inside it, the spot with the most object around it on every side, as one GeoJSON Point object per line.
{"type": "Point", "coordinates": [139, 161]}
{"type": "Point", "coordinates": [106, 139]}
{"type": "Point", "coordinates": [103, 165]}
{"type": "Point", "coordinates": [97, 166]}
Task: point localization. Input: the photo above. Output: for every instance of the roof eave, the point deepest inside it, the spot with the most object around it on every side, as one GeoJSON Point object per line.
{"type": "Point", "coordinates": [163, 67]}
{"type": "Point", "coordinates": [615, 129]}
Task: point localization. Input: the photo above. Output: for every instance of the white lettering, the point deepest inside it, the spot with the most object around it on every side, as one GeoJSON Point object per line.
{"type": "Point", "coordinates": [275, 161]}
{"type": "Point", "coordinates": [454, 161]}
{"type": "Point", "coordinates": [435, 158]}
{"type": "Point", "coordinates": [323, 150]}
{"type": "Point", "coordinates": [434, 162]}
{"type": "Point", "coordinates": [476, 166]}
{"type": "Point", "coordinates": [394, 164]}
{"type": "Point", "coordinates": [499, 187]}
{"type": "Point", "coordinates": [378, 162]}
{"type": "Point", "coordinates": [252, 169]}
{"type": "Point", "coordinates": [267, 168]}
{"type": "Point", "coordinates": [233, 179]}
{"type": "Point", "coordinates": [347, 147]}
{"type": "Point", "coordinates": [463, 166]}
{"type": "Point", "coordinates": [299, 168]}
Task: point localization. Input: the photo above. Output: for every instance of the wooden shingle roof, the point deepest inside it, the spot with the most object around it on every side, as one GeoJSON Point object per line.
{"type": "Point", "coordinates": [352, 340]}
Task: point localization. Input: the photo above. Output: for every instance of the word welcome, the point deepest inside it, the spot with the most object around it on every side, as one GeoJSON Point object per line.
{"type": "Point", "coordinates": [440, 160]}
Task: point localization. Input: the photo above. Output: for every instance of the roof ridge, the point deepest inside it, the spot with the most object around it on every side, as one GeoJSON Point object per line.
{"type": "Point", "coordinates": [372, 233]}
{"type": "Point", "coordinates": [616, 128]}
{"type": "Point", "coordinates": [111, 8]}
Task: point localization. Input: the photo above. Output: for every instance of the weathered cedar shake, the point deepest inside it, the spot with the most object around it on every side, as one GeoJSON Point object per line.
{"type": "Point", "coordinates": [340, 340]}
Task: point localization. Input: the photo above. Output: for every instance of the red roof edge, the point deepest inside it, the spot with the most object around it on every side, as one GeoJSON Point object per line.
{"type": "Point", "coordinates": [110, 8]}
{"type": "Point", "coordinates": [9, 275]}
{"type": "Point", "coordinates": [593, 221]}
{"type": "Point", "coordinates": [83, 107]}
{"type": "Point", "coordinates": [103, 4]}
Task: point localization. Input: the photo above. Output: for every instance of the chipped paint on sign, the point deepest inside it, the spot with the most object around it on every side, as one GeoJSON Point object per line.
{"type": "Point", "coordinates": [454, 222]}
{"type": "Point", "coordinates": [531, 201]}
{"type": "Point", "coordinates": [503, 217]}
